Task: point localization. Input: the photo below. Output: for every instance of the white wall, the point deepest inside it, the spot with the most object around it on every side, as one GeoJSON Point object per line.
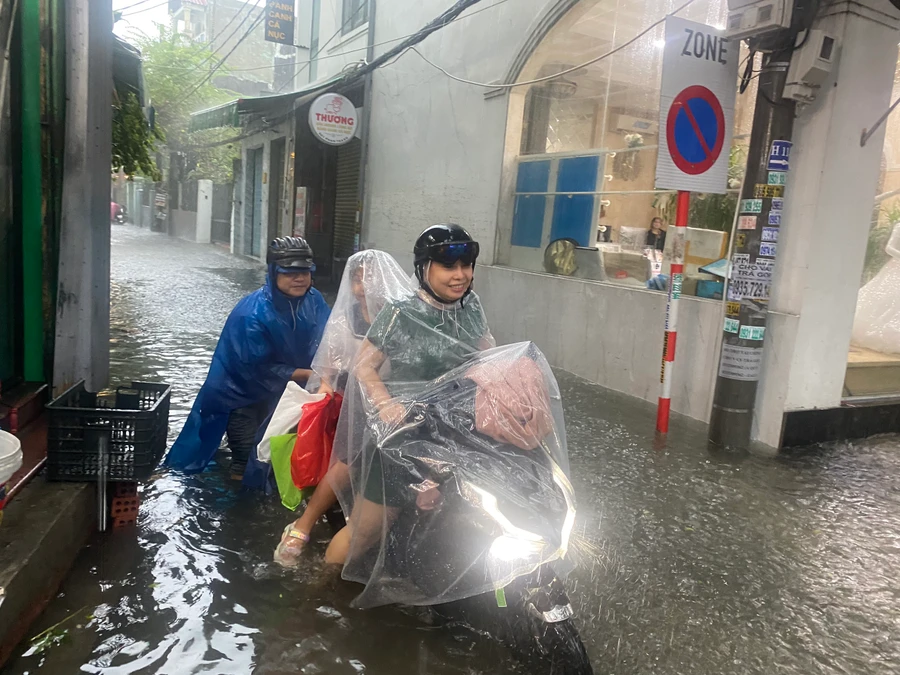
{"type": "Point", "coordinates": [828, 208]}
{"type": "Point", "coordinates": [342, 49]}
{"type": "Point", "coordinates": [436, 145]}
{"type": "Point", "coordinates": [607, 333]}
{"type": "Point", "coordinates": [204, 212]}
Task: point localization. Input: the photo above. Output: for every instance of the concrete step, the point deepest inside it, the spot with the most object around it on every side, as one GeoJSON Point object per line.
{"type": "Point", "coordinates": [41, 534]}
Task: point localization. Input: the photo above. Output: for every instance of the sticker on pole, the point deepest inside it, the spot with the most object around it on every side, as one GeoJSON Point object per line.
{"type": "Point", "coordinates": [696, 107]}
{"type": "Point", "coordinates": [780, 156]}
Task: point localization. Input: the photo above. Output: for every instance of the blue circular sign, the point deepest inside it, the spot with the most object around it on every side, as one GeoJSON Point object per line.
{"type": "Point", "coordinates": [695, 130]}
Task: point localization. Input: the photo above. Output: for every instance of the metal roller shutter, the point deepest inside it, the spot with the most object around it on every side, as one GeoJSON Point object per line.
{"type": "Point", "coordinates": [345, 198]}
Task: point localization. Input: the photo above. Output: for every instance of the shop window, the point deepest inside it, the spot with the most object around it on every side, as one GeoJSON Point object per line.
{"type": "Point", "coordinates": [873, 365]}
{"type": "Point", "coordinates": [588, 147]}
{"type": "Point", "coordinates": [356, 13]}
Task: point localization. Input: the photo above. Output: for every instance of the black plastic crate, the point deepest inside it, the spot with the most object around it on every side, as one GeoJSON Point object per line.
{"type": "Point", "coordinates": [137, 418]}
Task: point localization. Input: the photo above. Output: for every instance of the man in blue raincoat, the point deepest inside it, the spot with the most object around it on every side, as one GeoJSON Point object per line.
{"type": "Point", "coordinates": [270, 338]}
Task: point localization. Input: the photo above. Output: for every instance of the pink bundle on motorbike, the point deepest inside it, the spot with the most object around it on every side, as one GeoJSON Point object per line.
{"type": "Point", "coordinates": [468, 491]}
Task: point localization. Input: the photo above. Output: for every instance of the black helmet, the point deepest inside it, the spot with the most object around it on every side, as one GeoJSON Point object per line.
{"type": "Point", "coordinates": [446, 243]}
{"type": "Point", "coordinates": [290, 253]}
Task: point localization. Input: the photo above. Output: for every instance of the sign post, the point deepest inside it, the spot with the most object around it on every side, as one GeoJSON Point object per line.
{"type": "Point", "coordinates": [696, 118]}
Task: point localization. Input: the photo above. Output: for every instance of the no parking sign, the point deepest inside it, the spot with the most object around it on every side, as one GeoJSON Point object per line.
{"type": "Point", "coordinates": [699, 79]}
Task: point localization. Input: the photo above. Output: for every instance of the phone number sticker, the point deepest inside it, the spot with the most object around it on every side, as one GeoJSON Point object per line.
{"type": "Point", "coordinates": [752, 333]}
{"type": "Point", "coordinates": [751, 206]}
{"type": "Point", "coordinates": [770, 234]}
{"type": "Point", "coordinates": [768, 249]}
{"type": "Point", "coordinates": [739, 289]}
{"type": "Point", "coordinates": [732, 325]}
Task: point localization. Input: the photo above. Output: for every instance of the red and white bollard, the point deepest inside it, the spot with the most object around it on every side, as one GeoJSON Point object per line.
{"type": "Point", "coordinates": [676, 279]}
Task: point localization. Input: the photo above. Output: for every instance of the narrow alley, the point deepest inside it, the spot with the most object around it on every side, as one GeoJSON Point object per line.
{"type": "Point", "coordinates": [689, 562]}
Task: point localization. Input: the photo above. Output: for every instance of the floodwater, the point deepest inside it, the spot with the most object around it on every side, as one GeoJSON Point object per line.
{"type": "Point", "coordinates": [693, 562]}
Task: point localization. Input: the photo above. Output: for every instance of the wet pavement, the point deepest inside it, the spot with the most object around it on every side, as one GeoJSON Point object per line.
{"type": "Point", "coordinates": [690, 562]}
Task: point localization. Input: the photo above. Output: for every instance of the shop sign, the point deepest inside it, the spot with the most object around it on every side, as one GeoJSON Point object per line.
{"type": "Point", "coordinates": [333, 119]}
{"type": "Point", "coordinates": [280, 21]}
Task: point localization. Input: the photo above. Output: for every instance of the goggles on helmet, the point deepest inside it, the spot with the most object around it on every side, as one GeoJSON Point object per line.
{"type": "Point", "coordinates": [295, 270]}
{"type": "Point", "coordinates": [449, 254]}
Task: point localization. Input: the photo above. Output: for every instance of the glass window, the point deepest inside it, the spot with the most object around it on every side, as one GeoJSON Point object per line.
{"type": "Point", "coordinates": [609, 111]}
{"type": "Point", "coordinates": [356, 13]}
{"type": "Point", "coordinates": [873, 365]}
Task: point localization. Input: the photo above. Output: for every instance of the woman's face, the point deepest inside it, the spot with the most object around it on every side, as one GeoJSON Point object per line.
{"type": "Point", "coordinates": [357, 287]}
{"type": "Point", "coordinates": [450, 282]}
{"type": "Point", "coordinates": [656, 224]}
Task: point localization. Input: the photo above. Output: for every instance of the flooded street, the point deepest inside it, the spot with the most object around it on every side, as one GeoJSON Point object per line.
{"type": "Point", "coordinates": [690, 562]}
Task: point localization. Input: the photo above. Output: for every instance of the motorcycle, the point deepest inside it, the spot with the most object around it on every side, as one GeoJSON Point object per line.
{"type": "Point", "coordinates": [494, 549]}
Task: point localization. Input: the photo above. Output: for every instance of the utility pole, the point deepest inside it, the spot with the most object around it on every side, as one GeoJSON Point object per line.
{"type": "Point", "coordinates": [753, 257]}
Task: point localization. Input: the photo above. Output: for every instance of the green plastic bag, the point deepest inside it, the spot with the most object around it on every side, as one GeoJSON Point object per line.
{"type": "Point", "coordinates": [282, 447]}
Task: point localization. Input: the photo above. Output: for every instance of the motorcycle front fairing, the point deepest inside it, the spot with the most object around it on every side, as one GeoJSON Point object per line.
{"type": "Point", "coordinates": [468, 492]}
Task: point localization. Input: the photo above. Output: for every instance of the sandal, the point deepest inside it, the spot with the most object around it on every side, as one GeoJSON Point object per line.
{"type": "Point", "coordinates": [287, 554]}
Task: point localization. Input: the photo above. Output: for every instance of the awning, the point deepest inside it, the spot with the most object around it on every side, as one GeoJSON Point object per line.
{"type": "Point", "coordinates": [127, 72]}
{"type": "Point", "coordinates": [228, 114]}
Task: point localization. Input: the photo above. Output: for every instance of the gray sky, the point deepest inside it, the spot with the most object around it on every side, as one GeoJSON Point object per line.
{"type": "Point", "coordinates": [144, 14]}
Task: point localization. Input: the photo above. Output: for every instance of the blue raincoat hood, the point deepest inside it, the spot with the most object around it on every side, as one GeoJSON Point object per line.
{"type": "Point", "coordinates": [266, 337]}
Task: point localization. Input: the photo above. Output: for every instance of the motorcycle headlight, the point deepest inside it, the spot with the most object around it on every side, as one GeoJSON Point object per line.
{"type": "Point", "coordinates": [509, 549]}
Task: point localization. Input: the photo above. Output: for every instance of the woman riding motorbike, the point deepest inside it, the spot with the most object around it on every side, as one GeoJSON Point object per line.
{"type": "Point", "coordinates": [420, 338]}
{"type": "Point", "coordinates": [371, 279]}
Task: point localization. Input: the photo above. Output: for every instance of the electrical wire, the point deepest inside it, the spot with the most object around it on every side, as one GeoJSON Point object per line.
{"type": "Point", "coordinates": [224, 58]}
{"type": "Point", "coordinates": [322, 48]}
{"type": "Point", "coordinates": [547, 78]}
{"type": "Point", "coordinates": [139, 11]}
{"type": "Point", "coordinates": [389, 56]}
{"type": "Point", "coordinates": [135, 4]}
{"type": "Point", "coordinates": [349, 51]}
{"type": "Point", "coordinates": [234, 32]}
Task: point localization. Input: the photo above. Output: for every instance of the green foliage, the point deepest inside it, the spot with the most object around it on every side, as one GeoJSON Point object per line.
{"type": "Point", "coordinates": [173, 68]}
{"type": "Point", "coordinates": [709, 211]}
{"type": "Point", "coordinates": [133, 140]}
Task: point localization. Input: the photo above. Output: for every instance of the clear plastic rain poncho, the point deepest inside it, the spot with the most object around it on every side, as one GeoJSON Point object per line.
{"type": "Point", "coordinates": [458, 458]}
{"type": "Point", "coordinates": [877, 322]}
{"type": "Point", "coordinates": [371, 279]}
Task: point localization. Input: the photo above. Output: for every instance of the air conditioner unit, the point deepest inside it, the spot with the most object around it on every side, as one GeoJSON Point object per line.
{"type": "Point", "coordinates": [632, 124]}
{"type": "Point", "coordinates": [751, 18]}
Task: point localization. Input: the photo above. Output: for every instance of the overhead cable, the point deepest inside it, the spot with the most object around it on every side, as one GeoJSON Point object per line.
{"type": "Point", "coordinates": [489, 85]}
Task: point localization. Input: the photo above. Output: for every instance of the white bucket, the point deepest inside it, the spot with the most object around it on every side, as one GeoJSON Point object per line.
{"type": "Point", "coordinates": [10, 456]}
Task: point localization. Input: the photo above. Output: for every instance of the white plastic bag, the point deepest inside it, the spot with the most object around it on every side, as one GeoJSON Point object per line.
{"type": "Point", "coordinates": [286, 416]}
{"type": "Point", "coordinates": [877, 322]}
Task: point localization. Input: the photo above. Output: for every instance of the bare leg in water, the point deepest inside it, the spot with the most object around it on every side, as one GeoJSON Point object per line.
{"type": "Point", "coordinates": [368, 523]}
{"type": "Point", "coordinates": [297, 533]}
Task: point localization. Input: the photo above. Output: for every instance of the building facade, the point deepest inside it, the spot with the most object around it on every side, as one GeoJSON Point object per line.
{"type": "Point", "coordinates": [455, 133]}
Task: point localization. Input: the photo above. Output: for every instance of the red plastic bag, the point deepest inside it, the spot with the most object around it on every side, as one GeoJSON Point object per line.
{"type": "Point", "coordinates": [315, 437]}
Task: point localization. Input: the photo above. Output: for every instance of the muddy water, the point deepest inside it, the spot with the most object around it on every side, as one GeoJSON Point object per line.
{"type": "Point", "coordinates": [690, 562]}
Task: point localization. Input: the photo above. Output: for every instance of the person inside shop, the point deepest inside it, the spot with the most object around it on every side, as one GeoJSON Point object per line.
{"type": "Point", "coordinates": [371, 279]}
{"type": "Point", "coordinates": [656, 235]}
{"type": "Point", "coordinates": [270, 338]}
